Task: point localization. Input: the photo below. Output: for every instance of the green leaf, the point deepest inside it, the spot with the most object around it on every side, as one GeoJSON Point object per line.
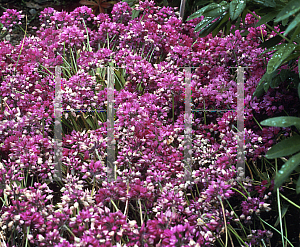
{"type": "Point", "coordinates": [275, 47]}
{"type": "Point", "coordinates": [286, 170]}
{"type": "Point", "coordinates": [203, 23]}
{"type": "Point", "coordinates": [220, 25]}
{"type": "Point", "coordinates": [284, 148]}
{"type": "Point", "coordinates": [266, 86]}
{"type": "Point", "coordinates": [285, 22]}
{"type": "Point", "coordinates": [275, 82]}
{"type": "Point", "coordinates": [212, 28]}
{"type": "Point", "coordinates": [120, 80]}
{"type": "Point", "coordinates": [298, 186]}
{"type": "Point", "coordinates": [216, 10]}
{"type": "Point", "coordinates": [297, 39]}
{"type": "Point", "coordinates": [282, 122]}
{"type": "Point", "coordinates": [66, 123]}
{"type": "Point", "coordinates": [90, 123]}
{"type": "Point", "coordinates": [245, 12]}
{"type": "Point", "coordinates": [279, 56]}
{"type": "Point", "coordinates": [284, 74]}
{"type": "Point", "coordinates": [198, 13]}
{"type": "Point", "coordinates": [135, 13]}
{"type": "Point", "coordinates": [227, 28]}
{"type": "Point", "coordinates": [291, 57]}
{"type": "Point", "coordinates": [236, 7]}
{"type": "Point", "coordinates": [290, 9]}
{"type": "Point", "coordinates": [283, 212]}
{"type": "Point", "coordinates": [299, 68]}
{"type": "Point", "coordinates": [299, 89]}
{"type": "Point", "coordinates": [259, 90]}
{"type": "Point", "coordinates": [245, 34]}
{"type": "Point", "coordinates": [293, 24]}
{"type": "Point", "coordinates": [165, 3]}
{"type": "Point", "coordinates": [266, 3]}
{"type": "Point", "coordinates": [270, 42]}
{"type": "Point", "coordinates": [266, 18]}
{"type": "Point", "coordinates": [266, 78]}
{"type": "Point", "coordinates": [201, 2]}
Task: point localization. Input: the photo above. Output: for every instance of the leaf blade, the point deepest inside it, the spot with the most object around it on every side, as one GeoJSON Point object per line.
{"type": "Point", "coordinates": [286, 170]}
{"type": "Point", "coordinates": [284, 148]}
{"type": "Point", "coordinates": [290, 9]}
{"type": "Point", "coordinates": [279, 56]}
{"type": "Point", "coordinates": [283, 122]}
{"type": "Point", "coordinates": [292, 25]}
{"type": "Point", "coordinates": [236, 7]}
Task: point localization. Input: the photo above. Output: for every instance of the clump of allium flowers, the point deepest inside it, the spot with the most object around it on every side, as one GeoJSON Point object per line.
{"type": "Point", "coordinates": [152, 195]}
{"type": "Point", "coordinates": [10, 18]}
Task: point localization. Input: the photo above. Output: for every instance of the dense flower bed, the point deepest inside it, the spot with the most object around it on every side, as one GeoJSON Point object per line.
{"type": "Point", "coordinates": [150, 203]}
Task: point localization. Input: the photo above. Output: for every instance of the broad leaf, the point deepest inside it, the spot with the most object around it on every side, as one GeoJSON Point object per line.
{"type": "Point", "coordinates": [291, 57]}
{"type": "Point", "coordinates": [298, 186]}
{"type": "Point", "coordinates": [220, 25]}
{"type": "Point", "coordinates": [286, 170]}
{"type": "Point", "coordinates": [236, 7]}
{"type": "Point", "coordinates": [275, 47]}
{"type": "Point", "coordinates": [201, 2]}
{"type": "Point", "coordinates": [266, 3]}
{"type": "Point", "coordinates": [299, 89]}
{"type": "Point", "coordinates": [266, 86]}
{"type": "Point", "coordinates": [293, 24]}
{"type": "Point", "coordinates": [217, 10]}
{"type": "Point", "coordinates": [266, 78]}
{"type": "Point", "coordinates": [284, 148]}
{"type": "Point", "coordinates": [299, 70]}
{"type": "Point", "coordinates": [275, 82]}
{"type": "Point", "coordinates": [290, 9]}
{"type": "Point", "coordinates": [245, 12]}
{"type": "Point", "coordinates": [203, 23]}
{"type": "Point", "coordinates": [270, 42]}
{"type": "Point", "coordinates": [284, 74]}
{"type": "Point", "coordinates": [266, 18]}
{"type": "Point", "coordinates": [212, 28]}
{"type": "Point", "coordinates": [198, 13]}
{"type": "Point", "coordinates": [259, 90]}
{"type": "Point", "coordinates": [282, 122]}
{"type": "Point", "coordinates": [279, 56]}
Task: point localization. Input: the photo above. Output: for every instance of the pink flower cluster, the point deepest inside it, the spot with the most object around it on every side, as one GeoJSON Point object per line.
{"type": "Point", "coordinates": [11, 17]}
{"type": "Point", "coordinates": [150, 202]}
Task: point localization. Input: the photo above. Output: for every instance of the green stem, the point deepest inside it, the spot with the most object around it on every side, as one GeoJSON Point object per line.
{"type": "Point", "coordinates": [141, 215]}
{"type": "Point", "coordinates": [268, 26]}
{"type": "Point", "coordinates": [279, 209]}
{"type": "Point", "coordinates": [275, 230]}
{"type": "Point", "coordinates": [22, 45]}
{"type": "Point", "coordinates": [239, 192]}
{"type": "Point", "coordinates": [114, 204]}
{"type": "Point", "coordinates": [291, 202]}
{"type": "Point", "coordinates": [173, 110]}
{"type": "Point", "coordinates": [257, 123]}
{"type": "Point", "coordinates": [225, 223]}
